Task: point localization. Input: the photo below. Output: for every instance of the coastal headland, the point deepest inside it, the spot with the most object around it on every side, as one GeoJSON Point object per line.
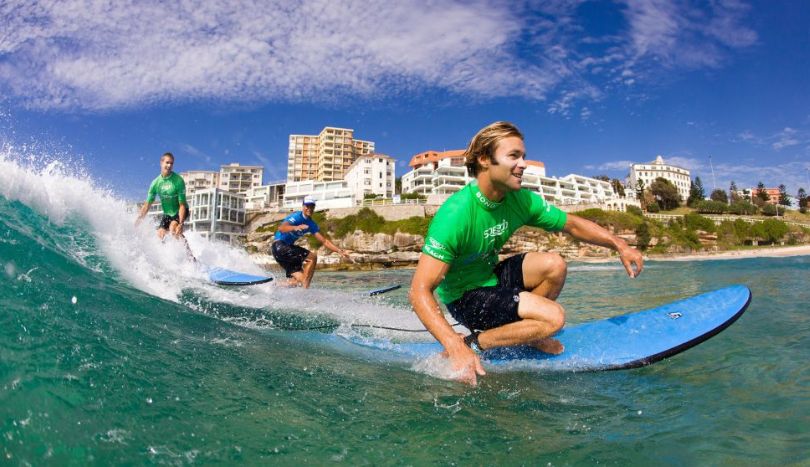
{"type": "Point", "coordinates": [392, 236]}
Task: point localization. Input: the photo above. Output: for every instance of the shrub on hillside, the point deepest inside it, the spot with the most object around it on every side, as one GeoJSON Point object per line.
{"type": "Point", "coordinates": [743, 208]}
{"type": "Point", "coordinates": [697, 222]}
{"type": "Point", "coordinates": [611, 219]}
{"type": "Point", "coordinates": [710, 207]}
{"type": "Point", "coordinates": [635, 210]}
{"type": "Point", "coordinates": [642, 236]}
{"type": "Point", "coordinates": [769, 210]}
{"type": "Point", "coordinates": [653, 207]}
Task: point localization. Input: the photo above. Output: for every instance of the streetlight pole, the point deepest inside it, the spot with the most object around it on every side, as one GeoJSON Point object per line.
{"type": "Point", "coordinates": [714, 181]}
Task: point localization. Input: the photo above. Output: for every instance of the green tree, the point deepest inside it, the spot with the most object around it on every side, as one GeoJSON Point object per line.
{"type": "Point", "coordinates": [696, 192]}
{"type": "Point", "coordinates": [762, 195]}
{"type": "Point", "coordinates": [604, 178]}
{"type": "Point", "coordinates": [801, 196]}
{"type": "Point", "coordinates": [640, 191]}
{"type": "Point", "coordinates": [732, 192]}
{"type": "Point", "coordinates": [643, 236]}
{"type": "Point", "coordinates": [784, 198]}
{"type": "Point", "coordinates": [719, 195]}
{"type": "Point", "coordinates": [618, 187]}
{"type": "Point", "coordinates": [666, 194]}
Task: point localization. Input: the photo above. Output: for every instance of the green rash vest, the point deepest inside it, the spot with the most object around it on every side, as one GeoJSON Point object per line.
{"type": "Point", "coordinates": [469, 231]}
{"type": "Point", "coordinates": [172, 191]}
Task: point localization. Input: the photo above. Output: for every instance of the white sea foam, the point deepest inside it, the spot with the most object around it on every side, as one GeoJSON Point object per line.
{"type": "Point", "coordinates": [63, 192]}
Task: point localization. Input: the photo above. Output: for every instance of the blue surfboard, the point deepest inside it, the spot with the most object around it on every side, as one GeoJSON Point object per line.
{"type": "Point", "coordinates": [222, 276]}
{"type": "Point", "coordinates": [626, 341]}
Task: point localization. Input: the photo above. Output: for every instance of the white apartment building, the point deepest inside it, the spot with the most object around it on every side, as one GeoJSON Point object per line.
{"type": "Point", "coordinates": [435, 172]}
{"type": "Point", "coordinates": [445, 173]}
{"type": "Point", "coordinates": [326, 156]}
{"type": "Point", "coordinates": [649, 171]}
{"type": "Point", "coordinates": [217, 214]}
{"type": "Point", "coordinates": [265, 197]}
{"type": "Point", "coordinates": [240, 178]}
{"type": "Point", "coordinates": [372, 174]}
{"type": "Point", "coordinates": [199, 180]}
{"type": "Point", "coordinates": [334, 194]}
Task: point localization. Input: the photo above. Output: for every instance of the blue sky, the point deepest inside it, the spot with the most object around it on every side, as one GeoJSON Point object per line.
{"type": "Point", "coordinates": [594, 86]}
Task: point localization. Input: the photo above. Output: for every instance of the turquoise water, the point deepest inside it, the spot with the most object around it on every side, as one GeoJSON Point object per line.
{"type": "Point", "coordinates": [150, 366]}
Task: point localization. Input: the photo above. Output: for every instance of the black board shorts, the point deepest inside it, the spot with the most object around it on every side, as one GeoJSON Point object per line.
{"type": "Point", "coordinates": [491, 307]}
{"type": "Point", "coordinates": [166, 221]}
{"type": "Point", "coordinates": [289, 257]}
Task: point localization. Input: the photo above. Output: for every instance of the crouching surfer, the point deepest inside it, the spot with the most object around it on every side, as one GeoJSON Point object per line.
{"type": "Point", "coordinates": [505, 303]}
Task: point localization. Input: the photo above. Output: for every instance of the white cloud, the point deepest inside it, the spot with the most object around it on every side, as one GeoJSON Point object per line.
{"type": "Point", "coordinates": [792, 174]}
{"type": "Point", "coordinates": [99, 56]}
{"type": "Point", "coordinates": [786, 138]}
{"type": "Point", "coordinates": [690, 34]}
{"type": "Point", "coordinates": [613, 165]}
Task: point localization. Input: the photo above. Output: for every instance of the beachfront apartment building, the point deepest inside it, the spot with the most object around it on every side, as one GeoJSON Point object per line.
{"type": "Point", "coordinates": [647, 172]}
{"type": "Point", "coordinates": [217, 214]}
{"type": "Point", "coordinates": [268, 196]}
{"type": "Point", "coordinates": [328, 195]}
{"type": "Point", "coordinates": [773, 194]}
{"type": "Point", "coordinates": [238, 178]}
{"type": "Point", "coordinates": [372, 175]}
{"type": "Point", "coordinates": [326, 156]}
{"type": "Point", "coordinates": [199, 180]}
{"type": "Point", "coordinates": [443, 173]}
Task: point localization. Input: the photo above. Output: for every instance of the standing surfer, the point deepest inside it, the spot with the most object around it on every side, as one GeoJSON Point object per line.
{"type": "Point", "coordinates": [298, 262]}
{"type": "Point", "coordinates": [505, 303]}
{"type": "Point", "coordinates": [172, 191]}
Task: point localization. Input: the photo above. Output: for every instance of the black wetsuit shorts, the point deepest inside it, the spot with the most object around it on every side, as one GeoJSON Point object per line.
{"type": "Point", "coordinates": [491, 307]}
{"type": "Point", "coordinates": [289, 257]}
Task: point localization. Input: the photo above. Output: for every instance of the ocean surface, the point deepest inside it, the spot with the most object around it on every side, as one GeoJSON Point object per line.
{"type": "Point", "coordinates": [115, 350]}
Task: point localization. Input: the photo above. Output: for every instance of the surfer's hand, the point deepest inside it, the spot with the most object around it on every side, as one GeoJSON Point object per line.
{"type": "Point", "coordinates": [346, 256]}
{"type": "Point", "coordinates": [631, 257]}
{"type": "Point", "coordinates": [466, 364]}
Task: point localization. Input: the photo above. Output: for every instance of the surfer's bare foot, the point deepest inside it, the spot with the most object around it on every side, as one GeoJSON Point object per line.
{"type": "Point", "coordinates": [549, 345]}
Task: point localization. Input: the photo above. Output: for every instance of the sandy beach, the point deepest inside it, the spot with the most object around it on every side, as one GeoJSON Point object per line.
{"type": "Point", "coordinates": [764, 252]}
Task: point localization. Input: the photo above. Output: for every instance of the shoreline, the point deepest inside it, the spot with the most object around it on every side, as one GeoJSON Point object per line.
{"type": "Point", "coordinates": [764, 252]}
{"type": "Point", "coordinates": [266, 261]}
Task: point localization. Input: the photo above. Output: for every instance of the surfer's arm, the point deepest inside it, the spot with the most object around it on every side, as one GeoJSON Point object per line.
{"type": "Point", "coordinates": [182, 213]}
{"type": "Point", "coordinates": [429, 274]}
{"type": "Point", "coordinates": [328, 244]}
{"type": "Point", "coordinates": [287, 227]}
{"type": "Point", "coordinates": [587, 231]}
{"type": "Point", "coordinates": [142, 213]}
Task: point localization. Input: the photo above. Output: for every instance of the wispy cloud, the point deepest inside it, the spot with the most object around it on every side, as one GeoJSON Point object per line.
{"type": "Point", "coordinates": [786, 138]}
{"type": "Point", "coordinates": [779, 140]}
{"type": "Point", "coordinates": [612, 166]}
{"type": "Point", "coordinates": [100, 56]}
{"type": "Point", "coordinates": [688, 34]}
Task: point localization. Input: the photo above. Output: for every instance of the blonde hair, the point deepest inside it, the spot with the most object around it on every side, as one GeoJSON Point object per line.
{"type": "Point", "coordinates": [485, 142]}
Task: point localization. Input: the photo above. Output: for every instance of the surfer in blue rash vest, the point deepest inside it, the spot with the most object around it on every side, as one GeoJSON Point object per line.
{"type": "Point", "coordinates": [298, 262]}
{"type": "Point", "coordinates": [508, 303]}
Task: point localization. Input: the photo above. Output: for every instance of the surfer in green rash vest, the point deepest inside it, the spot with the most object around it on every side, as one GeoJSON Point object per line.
{"type": "Point", "coordinates": [505, 303]}
{"type": "Point", "coordinates": [172, 191]}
